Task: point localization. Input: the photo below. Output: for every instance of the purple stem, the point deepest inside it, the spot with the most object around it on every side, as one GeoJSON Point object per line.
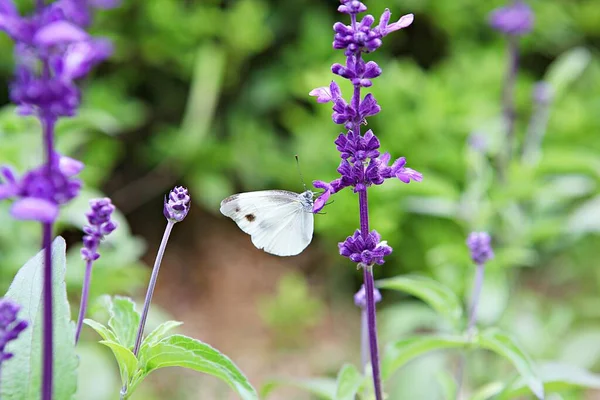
{"type": "Point", "coordinates": [508, 103]}
{"type": "Point", "coordinates": [149, 293]}
{"type": "Point", "coordinates": [364, 339]}
{"type": "Point", "coordinates": [47, 347]}
{"type": "Point", "coordinates": [47, 317]}
{"type": "Point", "coordinates": [85, 291]}
{"type": "Point", "coordinates": [368, 269]}
{"type": "Point", "coordinates": [372, 322]}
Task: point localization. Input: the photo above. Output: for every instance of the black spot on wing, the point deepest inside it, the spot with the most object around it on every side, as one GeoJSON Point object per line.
{"type": "Point", "coordinates": [249, 217]}
{"type": "Point", "coordinates": [237, 209]}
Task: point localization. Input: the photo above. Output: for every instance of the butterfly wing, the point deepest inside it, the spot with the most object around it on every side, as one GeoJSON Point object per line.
{"type": "Point", "coordinates": [278, 221]}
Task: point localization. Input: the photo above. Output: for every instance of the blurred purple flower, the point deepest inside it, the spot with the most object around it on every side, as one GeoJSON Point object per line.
{"type": "Point", "coordinates": [515, 19]}
{"type": "Point", "coordinates": [360, 298]}
{"type": "Point", "coordinates": [10, 326]}
{"type": "Point", "coordinates": [480, 246]}
{"type": "Point", "coordinates": [38, 194]}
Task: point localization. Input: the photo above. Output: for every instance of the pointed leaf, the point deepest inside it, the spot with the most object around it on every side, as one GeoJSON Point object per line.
{"type": "Point", "coordinates": [507, 347]}
{"type": "Point", "coordinates": [557, 377]}
{"type": "Point", "coordinates": [401, 352]}
{"type": "Point", "coordinates": [186, 352]}
{"type": "Point", "coordinates": [437, 296]}
{"type": "Point", "coordinates": [159, 333]}
{"type": "Point", "coordinates": [101, 330]}
{"type": "Point", "coordinates": [124, 320]}
{"type": "Point", "coordinates": [125, 358]}
{"type": "Point", "coordinates": [323, 388]}
{"type": "Point", "coordinates": [21, 375]}
{"type": "Point", "coordinates": [349, 381]}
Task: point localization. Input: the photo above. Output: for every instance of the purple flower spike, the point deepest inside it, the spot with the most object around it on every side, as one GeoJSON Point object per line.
{"type": "Point", "coordinates": [177, 205]}
{"type": "Point", "coordinates": [515, 19]}
{"type": "Point", "coordinates": [367, 251]}
{"type": "Point", "coordinates": [100, 225]}
{"type": "Point", "coordinates": [360, 298]}
{"type": "Point", "coordinates": [40, 193]}
{"type": "Point", "coordinates": [10, 326]}
{"type": "Point", "coordinates": [480, 245]}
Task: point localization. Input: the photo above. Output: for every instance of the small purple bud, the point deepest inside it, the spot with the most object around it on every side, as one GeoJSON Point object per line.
{"type": "Point", "coordinates": [543, 93]}
{"type": "Point", "coordinates": [515, 19]}
{"type": "Point", "coordinates": [480, 246]}
{"type": "Point", "coordinates": [177, 206]}
{"type": "Point", "coordinates": [360, 298]}
{"type": "Point", "coordinates": [10, 326]}
{"type": "Point", "coordinates": [100, 225]}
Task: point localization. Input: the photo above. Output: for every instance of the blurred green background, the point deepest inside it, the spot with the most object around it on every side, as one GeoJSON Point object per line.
{"type": "Point", "coordinates": [214, 95]}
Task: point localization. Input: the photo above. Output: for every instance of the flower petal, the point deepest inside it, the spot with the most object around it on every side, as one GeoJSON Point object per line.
{"type": "Point", "coordinates": [36, 209]}
{"type": "Point", "coordinates": [59, 32]}
{"type": "Point", "coordinates": [69, 166]}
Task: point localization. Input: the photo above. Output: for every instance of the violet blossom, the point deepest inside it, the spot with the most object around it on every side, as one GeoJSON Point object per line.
{"type": "Point", "coordinates": [10, 326]}
{"type": "Point", "coordinates": [52, 50]}
{"type": "Point", "coordinates": [362, 164]}
{"type": "Point", "coordinates": [100, 225]}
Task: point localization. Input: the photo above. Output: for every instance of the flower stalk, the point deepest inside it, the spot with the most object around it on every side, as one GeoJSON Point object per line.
{"type": "Point", "coordinates": [100, 225]}
{"type": "Point", "coordinates": [362, 165]}
{"type": "Point", "coordinates": [176, 208]}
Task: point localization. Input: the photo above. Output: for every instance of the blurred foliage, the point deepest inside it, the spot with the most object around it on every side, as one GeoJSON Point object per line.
{"type": "Point", "coordinates": [292, 310]}
{"type": "Point", "coordinates": [214, 92]}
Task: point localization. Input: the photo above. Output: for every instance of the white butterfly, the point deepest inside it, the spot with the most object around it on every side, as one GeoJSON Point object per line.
{"type": "Point", "coordinates": [278, 221]}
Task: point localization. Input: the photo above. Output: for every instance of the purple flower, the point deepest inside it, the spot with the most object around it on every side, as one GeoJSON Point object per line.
{"type": "Point", "coordinates": [357, 147]}
{"type": "Point", "coordinates": [515, 19]}
{"type": "Point", "coordinates": [362, 37]}
{"type": "Point", "coordinates": [362, 164]}
{"type": "Point", "coordinates": [367, 251]}
{"type": "Point", "coordinates": [479, 244]}
{"type": "Point", "coordinates": [39, 193]}
{"type": "Point", "coordinates": [99, 226]}
{"type": "Point", "coordinates": [52, 50]}
{"type": "Point", "coordinates": [10, 326]}
{"type": "Point", "coordinates": [360, 298]}
{"type": "Point", "coordinates": [177, 205]}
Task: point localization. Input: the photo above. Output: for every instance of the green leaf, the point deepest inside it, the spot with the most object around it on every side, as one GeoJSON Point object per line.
{"type": "Point", "coordinates": [507, 347]}
{"type": "Point", "coordinates": [125, 358]}
{"type": "Point", "coordinates": [557, 377]}
{"type": "Point", "coordinates": [324, 388]}
{"type": "Point", "coordinates": [124, 320]}
{"type": "Point", "coordinates": [186, 352]}
{"type": "Point", "coordinates": [21, 376]}
{"type": "Point", "coordinates": [159, 333]}
{"type": "Point", "coordinates": [437, 296]}
{"type": "Point", "coordinates": [101, 330]}
{"type": "Point", "coordinates": [399, 353]}
{"type": "Point", "coordinates": [348, 383]}
{"type": "Point", "coordinates": [567, 68]}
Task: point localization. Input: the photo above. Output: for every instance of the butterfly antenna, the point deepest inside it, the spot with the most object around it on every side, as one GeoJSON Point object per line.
{"type": "Point", "coordinates": [299, 171]}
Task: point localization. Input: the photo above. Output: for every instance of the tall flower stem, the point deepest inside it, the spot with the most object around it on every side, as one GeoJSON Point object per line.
{"type": "Point", "coordinates": [85, 292]}
{"type": "Point", "coordinates": [508, 105]}
{"type": "Point", "coordinates": [150, 293]}
{"type": "Point", "coordinates": [475, 299]}
{"type": "Point", "coordinates": [47, 348]}
{"type": "Point", "coordinates": [476, 294]}
{"type": "Point", "coordinates": [47, 316]}
{"type": "Point", "coordinates": [372, 322]}
{"type": "Point", "coordinates": [369, 288]}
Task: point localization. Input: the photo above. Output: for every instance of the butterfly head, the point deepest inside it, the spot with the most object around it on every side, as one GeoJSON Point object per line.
{"type": "Point", "coordinates": [307, 199]}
